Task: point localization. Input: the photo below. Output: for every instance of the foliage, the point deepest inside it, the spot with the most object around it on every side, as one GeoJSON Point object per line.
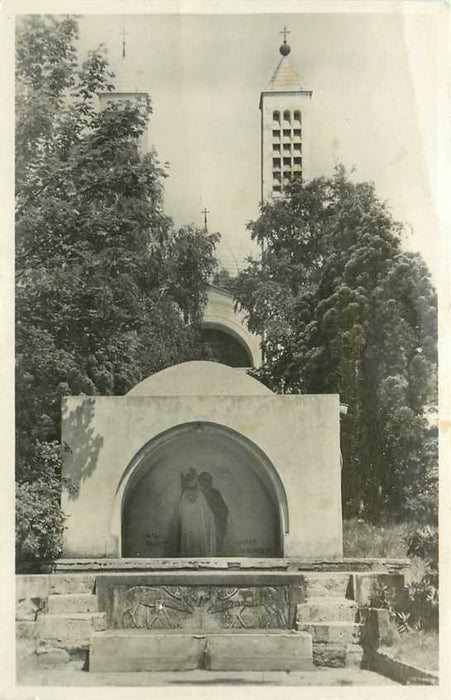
{"type": "Point", "coordinates": [342, 309]}
{"type": "Point", "coordinates": [423, 542]}
{"type": "Point", "coordinates": [424, 594]}
{"type": "Point", "coordinates": [383, 596]}
{"type": "Point", "coordinates": [107, 290]}
{"type": "Point", "coordinates": [418, 609]}
{"type": "Point", "coordinates": [362, 539]}
{"type": "Point", "coordinates": [39, 521]}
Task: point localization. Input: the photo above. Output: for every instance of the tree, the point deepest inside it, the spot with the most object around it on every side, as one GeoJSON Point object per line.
{"type": "Point", "coordinates": [342, 309]}
{"type": "Point", "coordinates": [107, 290]}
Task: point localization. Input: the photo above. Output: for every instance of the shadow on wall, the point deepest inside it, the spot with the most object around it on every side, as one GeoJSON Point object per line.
{"type": "Point", "coordinates": [82, 446]}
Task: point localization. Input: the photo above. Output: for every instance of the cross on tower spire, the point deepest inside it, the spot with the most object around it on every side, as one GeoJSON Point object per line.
{"type": "Point", "coordinates": [205, 212]}
{"type": "Point", "coordinates": [285, 32]}
{"type": "Point", "coordinates": [123, 34]}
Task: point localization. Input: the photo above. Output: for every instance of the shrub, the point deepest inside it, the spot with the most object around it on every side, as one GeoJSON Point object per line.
{"type": "Point", "coordinates": [423, 542]}
{"type": "Point", "coordinates": [423, 594]}
{"type": "Point", "coordinates": [420, 608]}
{"type": "Point", "coordinates": [39, 519]}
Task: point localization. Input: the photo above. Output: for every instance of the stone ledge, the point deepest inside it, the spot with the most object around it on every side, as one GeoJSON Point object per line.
{"type": "Point", "coordinates": [313, 564]}
{"type": "Point", "coordinates": [400, 671]}
{"type": "Point", "coordinates": [200, 578]}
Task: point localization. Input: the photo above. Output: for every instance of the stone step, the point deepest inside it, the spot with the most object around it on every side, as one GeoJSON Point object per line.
{"type": "Point", "coordinates": [70, 631]}
{"type": "Point", "coordinates": [332, 632]}
{"type": "Point", "coordinates": [337, 655]}
{"type": "Point", "coordinates": [174, 650]}
{"type": "Point", "coordinates": [72, 602]}
{"type": "Point", "coordinates": [328, 584]}
{"type": "Point", "coordinates": [327, 608]}
{"type": "Point", "coordinates": [66, 584]}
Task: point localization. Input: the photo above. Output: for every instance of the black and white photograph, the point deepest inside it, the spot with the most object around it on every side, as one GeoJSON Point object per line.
{"type": "Point", "coordinates": [229, 261]}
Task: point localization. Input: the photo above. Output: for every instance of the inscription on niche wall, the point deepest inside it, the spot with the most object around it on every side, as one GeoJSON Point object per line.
{"type": "Point", "coordinates": [201, 608]}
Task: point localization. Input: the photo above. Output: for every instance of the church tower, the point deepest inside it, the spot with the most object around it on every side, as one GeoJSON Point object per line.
{"type": "Point", "coordinates": [127, 90]}
{"type": "Point", "coordinates": [285, 122]}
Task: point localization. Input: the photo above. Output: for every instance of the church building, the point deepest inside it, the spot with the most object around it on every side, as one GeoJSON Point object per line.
{"type": "Point", "coordinates": [284, 155]}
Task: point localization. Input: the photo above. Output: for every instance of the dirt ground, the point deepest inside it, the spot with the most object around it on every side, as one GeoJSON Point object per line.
{"type": "Point", "coordinates": [72, 674]}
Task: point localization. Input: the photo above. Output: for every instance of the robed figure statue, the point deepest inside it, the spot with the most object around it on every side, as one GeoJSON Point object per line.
{"type": "Point", "coordinates": [197, 522]}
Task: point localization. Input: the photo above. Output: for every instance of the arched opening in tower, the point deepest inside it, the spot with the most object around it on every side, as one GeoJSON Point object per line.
{"type": "Point", "coordinates": [203, 490]}
{"type": "Point", "coordinates": [219, 346]}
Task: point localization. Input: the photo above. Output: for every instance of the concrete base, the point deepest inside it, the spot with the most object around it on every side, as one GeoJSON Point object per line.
{"type": "Point", "coordinates": [144, 650]}
{"type": "Point", "coordinates": [283, 651]}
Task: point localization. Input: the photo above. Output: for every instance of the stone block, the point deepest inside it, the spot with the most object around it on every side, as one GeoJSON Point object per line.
{"type": "Point", "coordinates": [330, 655]}
{"type": "Point", "coordinates": [27, 609]}
{"type": "Point", "coordinates": [72, 602]}
{"type": "Point", "coordinates": [32, 586]}
{"type": "Point", "coordinates": [72, 583]}
{"type": "Point", "coordinates": [400, 671]}
{"type": "Point", "coordinates": [323, 609]}
{"type": "Point", "coordinates": [70, 631]}
{"type": "Point", "coordinates": [49, 657]}
{"type": "Point", "coordinates": [336, 655]}
{"type": "Point", "coordinates": [26, 630]}
{"type": "Point", "coordinates": [26, 639]}
{"type": "Point", "coordinates": [143, 650]}
{"type": "Point", "coordinates": [259, 651]}
{"type": "Point", "coordinates": [354, 656]}
{"type": "Point", "coordinates": [25, 648]}
{"type": "Point", "coordinates": [377, 627]}
{"type": "Point", "coordinates": [332, 632]}
{"type": "Point", "coordinates": [327, 584]}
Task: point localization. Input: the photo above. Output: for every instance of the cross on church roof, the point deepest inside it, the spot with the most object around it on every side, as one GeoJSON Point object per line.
{"type": "Point", "coordinates": [123, 34]}
{"type": "Point", "coordinates": [285, 32]}
{"type": "Point", "coordinates": [205, 212]}
{"type": "Point", "coordinates": [285, 48]}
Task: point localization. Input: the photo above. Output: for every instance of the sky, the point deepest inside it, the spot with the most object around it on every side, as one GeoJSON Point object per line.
{"type": "Point", "coordinates": [375, 82]}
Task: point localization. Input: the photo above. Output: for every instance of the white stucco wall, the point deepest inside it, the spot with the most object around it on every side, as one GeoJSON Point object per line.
{"type": "Point", "coordinates": [298, 434]}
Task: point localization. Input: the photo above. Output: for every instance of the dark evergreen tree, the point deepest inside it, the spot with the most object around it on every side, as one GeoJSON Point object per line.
{"type": "Point", "coordinates": [343, 309]}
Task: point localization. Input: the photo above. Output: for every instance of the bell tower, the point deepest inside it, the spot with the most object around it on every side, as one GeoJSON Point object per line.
{"type": "Point", "coordinates": [127, 89]}
{"type": "Point", "coordinates": [284, 108]}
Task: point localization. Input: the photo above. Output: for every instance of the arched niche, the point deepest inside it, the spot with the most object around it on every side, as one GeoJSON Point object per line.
{"type": "Point", "coordinates": [248, 483]}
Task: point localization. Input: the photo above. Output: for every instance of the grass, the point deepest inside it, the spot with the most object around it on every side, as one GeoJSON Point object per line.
{"type": "Point", "coordinates": [361, 539]}
{"type": "Point", "coordinates": [417, 648]}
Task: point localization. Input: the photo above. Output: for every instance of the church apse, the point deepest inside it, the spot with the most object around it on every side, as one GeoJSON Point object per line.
{"type": "Point", "coordinates": [202, 492]}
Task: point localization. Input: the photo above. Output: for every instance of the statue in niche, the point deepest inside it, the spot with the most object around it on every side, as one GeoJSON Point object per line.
{"type": "Point", "coordinates": [196, 519]}
{"type": "Point", "coordinates": [218, 508]}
